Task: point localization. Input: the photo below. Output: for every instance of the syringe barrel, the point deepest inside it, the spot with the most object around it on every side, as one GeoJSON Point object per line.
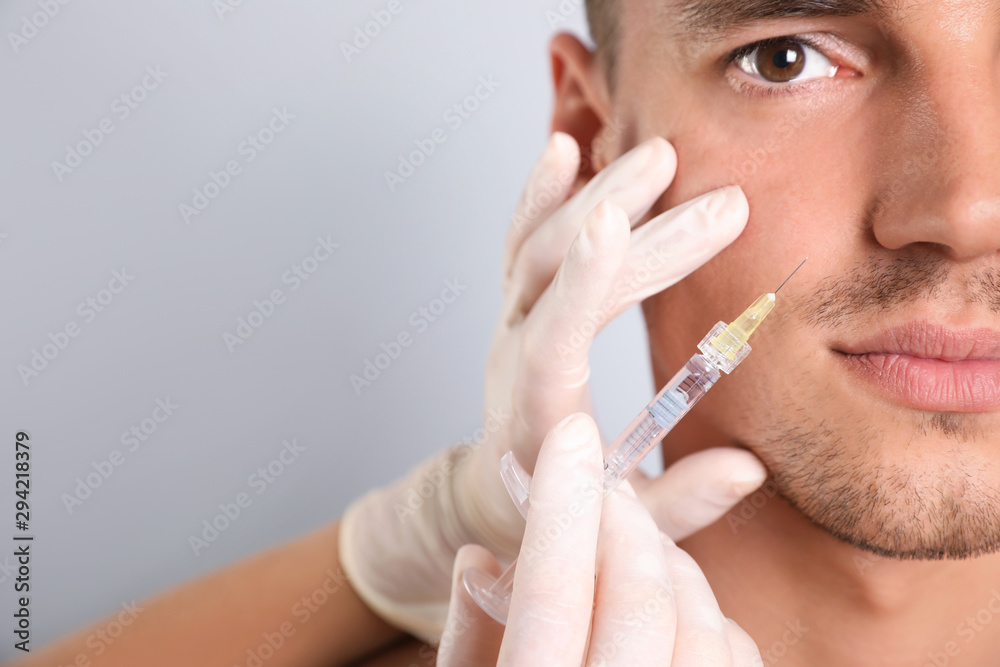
{"type": "Point", "coordinates": [677, 397]}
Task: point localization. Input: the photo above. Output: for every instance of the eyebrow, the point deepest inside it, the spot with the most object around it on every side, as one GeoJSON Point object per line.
{"type": "Point", "coordinates": [708, 17]}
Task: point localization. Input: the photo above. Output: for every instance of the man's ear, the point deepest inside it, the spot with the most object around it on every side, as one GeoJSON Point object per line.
{"type": "Point", "coordinates": [582, 103]}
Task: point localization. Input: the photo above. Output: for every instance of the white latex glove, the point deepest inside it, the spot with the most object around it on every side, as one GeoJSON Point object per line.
{"type": "Point", "coordinates": [601, 585]}
{"type": "Point", "coordinates": [572, 264]}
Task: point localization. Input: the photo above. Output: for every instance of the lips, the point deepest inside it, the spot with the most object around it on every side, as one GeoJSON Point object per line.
{"type": "Point", "coordinates": [930, 367]}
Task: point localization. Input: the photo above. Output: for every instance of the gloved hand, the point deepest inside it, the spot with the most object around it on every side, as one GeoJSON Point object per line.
{"type": "Point", "coordinates": [571, 265]}
{"type": "Point", "coordinates": [649, 603]}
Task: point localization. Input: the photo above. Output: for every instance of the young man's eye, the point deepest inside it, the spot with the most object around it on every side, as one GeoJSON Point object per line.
{"type": "Point", "coordinates": [783, 60]}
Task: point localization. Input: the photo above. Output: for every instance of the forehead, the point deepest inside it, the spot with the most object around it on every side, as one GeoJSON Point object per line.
{"type": "Point", "coordinates": [702, 19]}
{"type": "Point", "coordinates": [710, 16]}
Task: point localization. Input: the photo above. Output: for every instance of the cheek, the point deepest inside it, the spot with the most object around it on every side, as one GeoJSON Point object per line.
{"type": "Point", "coordinates": [807, 168]}
{"type": "Point", "coordinates": [805, 177]}
{"type": "Point", "coordinates": [806, 192]}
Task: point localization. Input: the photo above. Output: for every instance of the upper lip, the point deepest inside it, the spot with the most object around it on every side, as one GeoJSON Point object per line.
{"type": "Point", "coordinates": [927, 340]}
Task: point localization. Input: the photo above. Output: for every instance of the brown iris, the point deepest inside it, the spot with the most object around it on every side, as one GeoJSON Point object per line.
{"type": "Point", "coordinates": [781, 61]}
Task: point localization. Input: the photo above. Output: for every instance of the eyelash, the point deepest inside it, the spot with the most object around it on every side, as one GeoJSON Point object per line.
{"type": "Point", "coordinates": [776, 89]}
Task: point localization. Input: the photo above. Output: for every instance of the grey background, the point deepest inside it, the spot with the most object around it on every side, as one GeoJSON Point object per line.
{"type": "Point", "coordinates": [162, 337]}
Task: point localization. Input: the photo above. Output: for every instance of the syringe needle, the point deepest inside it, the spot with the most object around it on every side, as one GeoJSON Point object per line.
{"type": "Point", "coordinates": [790, 276]}
{"type": "Point", "coordinates": [722, 349]}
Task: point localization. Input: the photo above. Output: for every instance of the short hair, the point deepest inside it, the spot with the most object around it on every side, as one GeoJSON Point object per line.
{"type": "Point", "coordinates": [602, 15]}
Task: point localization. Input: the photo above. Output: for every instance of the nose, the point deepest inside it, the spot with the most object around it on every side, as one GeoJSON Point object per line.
{"type": "Point", "coordinates": [944, 182]}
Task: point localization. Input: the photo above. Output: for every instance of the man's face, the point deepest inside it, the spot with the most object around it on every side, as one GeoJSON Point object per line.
{"type": "Point", "coordinates": [869, 142]}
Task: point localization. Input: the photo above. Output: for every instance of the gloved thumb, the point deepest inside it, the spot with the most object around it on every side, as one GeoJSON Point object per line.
{"type": "Point", "coordinates": [471, 637]}
{"type": "Point", "coordinates": [699, 489]}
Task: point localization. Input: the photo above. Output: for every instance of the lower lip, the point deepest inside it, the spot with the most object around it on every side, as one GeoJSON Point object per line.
{"type": "Point", "coordinates": [932, 384]}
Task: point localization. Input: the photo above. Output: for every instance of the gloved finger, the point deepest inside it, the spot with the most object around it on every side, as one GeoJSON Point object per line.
{"type": "Point", "coordinates": [583, 281]}
{"type": "Point", "coordinates": [548, 186]}
{"type": "Point", "coordinates": [553, 595]}
{"type": "Point", "coordinates": [702, 634]}
{"type": "Point", "coordinates": [635, 620]}
{"type": "Point", "coordinates": [677, 242]}
{"type": "Point", "coordinates": [634, 182]}
{"type": "Point", "coordinates": [745, 651]}
{"type": "Point", "coordinates": [548, 386]}
{"type": "Point", "coordinates": [586, 295]}
{"type": "Point", "coordinates": [671, 246]}
{"type": "Point", "coordinates": [471, 638]}
{"type": "Point", "coordinates": [700, 488]}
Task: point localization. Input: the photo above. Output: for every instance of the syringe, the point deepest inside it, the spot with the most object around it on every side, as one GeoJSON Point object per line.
{"type": "Point", "coordinates": [721, 351]}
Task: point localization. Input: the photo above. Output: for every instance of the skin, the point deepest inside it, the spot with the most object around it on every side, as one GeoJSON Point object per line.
{"type": "Point", "coordinates": [908, 135]}
{"type": "Point", "coordinates": [558, 275]}
{"type": "Point", "coordinates": [611, 591]}
{"type": "Point", "coordinates": [885, 172]}
{"type": "Point", "coordinates": [215, 620]}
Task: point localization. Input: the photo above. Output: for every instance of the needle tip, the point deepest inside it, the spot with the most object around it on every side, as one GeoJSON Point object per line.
{"type": "Point", "coordinates": [790, 275]}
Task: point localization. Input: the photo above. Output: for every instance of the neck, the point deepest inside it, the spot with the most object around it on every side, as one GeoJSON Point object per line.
{"type": "Point", "coordinates": [810, 599]}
